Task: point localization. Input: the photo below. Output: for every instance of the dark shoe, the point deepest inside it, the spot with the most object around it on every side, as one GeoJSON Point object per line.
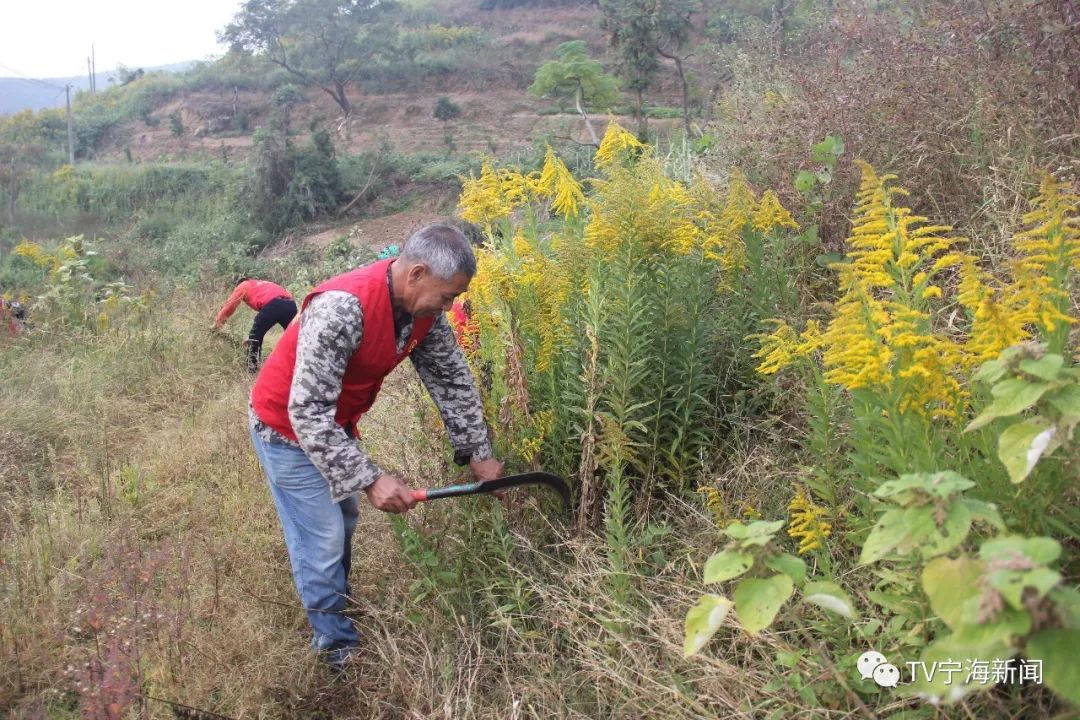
{"type": "Point", "coordinates": [344, 663]}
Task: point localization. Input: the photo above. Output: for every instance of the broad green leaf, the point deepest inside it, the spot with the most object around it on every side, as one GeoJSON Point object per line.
{"type": "Point", "coordinates": [1008, 550]}
{"type": "Point", "coordinates": [1011, 396]}
{"type": "Point", "coordinates": [893, 602]}
{"type": "Point", "coordinates": [1006, 628]}
{"type": "Point", "coordinates": [758, 600]}
{"type": "Point", "coordinates": [950, 533]}
{"type": "Point", "coordinates": [830, 596]}
{"type": "Point", "coordinates": [987, 512]}
{"type": "Point", "coordinates": [824, 176]}
{"type": "Point", "coordinates": [757, 533]}
{"type": "Point", "coordinates": [793, 567]}
{"type": "Point", "coordinates": [828, 259]}
{"type": "Point", "coordinates": [886, 534]}
{"type": "Point", "coordinates": [1021, 445]}
{"type": "Point", "coordinates": [1045, 368]}
{"type": "Point", "coordinates": [1057, 651]}
{"type": "Point", "coordinates": [1067, 601]}
{"type": "Point", "coordinates": [1012, 583]}
{"type": "Point", "coordinates": [727, 564]}
{"type": "Point", "coordinates": [919, 522]}
{"type": "Point", "coordinates": [952, 587]}
{"type": "Point", "coordinates": [703, 620]}
{"type": "Point", "coordinates": [991, 371]}
{"type": "Point", "coordinates": [805, 181]}
{"type": "Point", "coordinates": [946, 686]}
{"type": "Point", "coordinates": [905, 488]}
{"type": "Point", "coordinates": [1066, 400]}
{"type": "Point", "coordinates": [827, 151]}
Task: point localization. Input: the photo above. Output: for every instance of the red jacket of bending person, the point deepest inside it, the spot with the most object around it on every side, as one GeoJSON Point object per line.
{"type": "Point", "coordinates": [273, 305]}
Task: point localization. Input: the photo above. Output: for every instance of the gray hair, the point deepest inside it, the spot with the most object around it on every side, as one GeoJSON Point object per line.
{"type": "Point", "coordinates": [443, 248]}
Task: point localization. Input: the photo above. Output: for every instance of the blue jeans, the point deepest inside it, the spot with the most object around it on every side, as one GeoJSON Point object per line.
{"type": "Point", "coordinates": [318, 536]}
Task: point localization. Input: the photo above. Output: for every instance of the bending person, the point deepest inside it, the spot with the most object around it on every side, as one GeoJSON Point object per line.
{"type": "Point", "coordinates": [273, 305]}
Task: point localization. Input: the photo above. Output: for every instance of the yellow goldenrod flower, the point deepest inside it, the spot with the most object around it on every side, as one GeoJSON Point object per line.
{"type": "Point", "coordinates": [725, 242]}
{"type": "Point", "coordinates": [999, 317]}
{"type": "Point", "coordinates": [557, 182]}
{"type": "Point", "coordinates": [493, 195]}
{"type": "Point", "coordinates": [35, 254]}
{"type": "Point", "coordinates": [715, 503]}
{"type": "Point", "coordinates": [770, 213]}
{"type": "Point", "coordinates": [807, 522]}
{"type": "Point", "coordinates": [883, 334]}
{"type": "Point", "coordinates": [617, 145]}
{"type": "Point", "coordinates": [784, 347]}
{"type": "Point", "coordinates": [1049, 255]}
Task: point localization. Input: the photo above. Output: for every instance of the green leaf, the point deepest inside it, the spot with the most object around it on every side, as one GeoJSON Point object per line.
{"type": "Point", "coordinates": [1066, 400]}
{"type": "Point", "coordinates": [727, 564]}
{"type": "Point", "coordinates": [952, 588]}
{"type": "Point", "coordinates": [886, 534]}
{"type": "Point", "coordinates": [1011, 396]}
{"type": "Point", "coordinates": [824, 176]}
{"type": "Point", "coordinates": [898, 604]}
{"type": "Point", "coordinates": [827, 151]}
{"type": "Point", "coordinates": [805, 181]}
{"type": "Point", "coordinates": [703, 620]}
{"type": "Point", "coordinates": [1057, 650]}
{"type": "Point", "coordinates": [1021, 445]}
{"type": "Point", "coordinates": [827, 259]}
{"type": "Point", "coordinates": [1006, 628]}
{"type": "Point", "coordinates": [758, 600]}
{"type": "Point", "coordinates": [756, 533]}
{"type": "Point", "coordinates": [991, 371]}
{"type": "Point", "coordinates": [1012, 583]}
{"type": "Point", "coordinates": [950, 533]}
{"type": "Point", "coordinates": [906, 488]}
{"type": "Point", "coordinates": [830, 596]}
{"type": "Point", "coordinates": [793, 567]}
{"type": "Point", "coordinates": [1045, 368]}
{"type": "Point", "coordinates": [1009, 550]}
{"type": "Point", "coordinates": [950, 687]}
{"type": "Point", "coordinates": [985, 511]}
{"type": "Point", "coordinates": [1067, 602]}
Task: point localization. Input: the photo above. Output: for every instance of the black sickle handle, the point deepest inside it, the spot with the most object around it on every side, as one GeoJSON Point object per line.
{"type": "Point", "coordinates": [554, 482]}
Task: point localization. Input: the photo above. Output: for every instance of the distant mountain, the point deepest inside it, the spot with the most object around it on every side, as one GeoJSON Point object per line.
{"type": "Point", "coordinates": [19, 94]}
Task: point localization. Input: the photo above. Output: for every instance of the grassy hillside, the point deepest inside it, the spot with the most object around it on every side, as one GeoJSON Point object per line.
{"type": "Point", "coordinates": [811, 371]}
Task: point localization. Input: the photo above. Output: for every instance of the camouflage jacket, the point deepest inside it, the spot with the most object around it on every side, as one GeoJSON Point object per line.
{"type": "Point", "coordinates": [331, 327]}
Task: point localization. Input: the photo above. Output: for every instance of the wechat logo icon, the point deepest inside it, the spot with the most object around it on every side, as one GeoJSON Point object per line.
{"type": "Point", "coordinates": [873, 665]}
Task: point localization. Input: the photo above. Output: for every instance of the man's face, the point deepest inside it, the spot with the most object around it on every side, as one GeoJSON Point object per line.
{"type": "Point", "coordinates": [428, 295]}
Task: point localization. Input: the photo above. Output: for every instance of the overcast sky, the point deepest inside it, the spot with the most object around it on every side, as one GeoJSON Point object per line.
{"type": "Point", "coordinates": [52, 38]}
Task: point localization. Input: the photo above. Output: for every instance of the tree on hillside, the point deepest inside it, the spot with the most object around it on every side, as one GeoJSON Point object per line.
{"type": "Point", "coordinates": [673, 25]}
{"type": "Point", "coordinates": [641, 31]}
{"type": "Point", "coordinates": [323, 43]}
{"type": "Point", "coordinates": [576, 75]}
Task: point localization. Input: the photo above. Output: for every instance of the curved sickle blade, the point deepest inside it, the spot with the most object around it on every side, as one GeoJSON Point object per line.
{"type": "Point", "coordinates": [554, 482]}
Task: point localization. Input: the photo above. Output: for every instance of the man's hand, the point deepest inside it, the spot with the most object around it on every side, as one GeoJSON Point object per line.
{"type": "Point", "coordinates": [489, 469]}
{"type": "Point", "coordinates": [389, 494]}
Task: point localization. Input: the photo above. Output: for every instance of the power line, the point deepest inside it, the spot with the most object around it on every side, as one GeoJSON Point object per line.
{"type": "Point", "coordinates": [30, 79]}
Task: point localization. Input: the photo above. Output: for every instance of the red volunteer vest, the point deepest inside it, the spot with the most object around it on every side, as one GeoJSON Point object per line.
{"type": "Point", "coordinates": [263, 291]}
{"type": "Point", "coordinates": [372, 361]}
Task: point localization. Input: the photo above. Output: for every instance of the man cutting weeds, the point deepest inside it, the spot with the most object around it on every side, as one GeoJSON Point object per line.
{"type": "Point", "coordinates": [324, 374]}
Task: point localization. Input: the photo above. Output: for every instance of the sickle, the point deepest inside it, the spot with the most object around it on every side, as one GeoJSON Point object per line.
{"type": "Point", "coordinates": [554, 482]}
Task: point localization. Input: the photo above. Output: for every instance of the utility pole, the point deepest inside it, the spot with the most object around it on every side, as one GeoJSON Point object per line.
{"type": "Point", "coordinates": [71, 134]}
{"type": "Point", "coordinates": [90, 73]}
{"type": "Point", "coordinates": [93, 68]}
